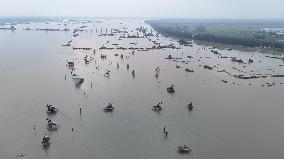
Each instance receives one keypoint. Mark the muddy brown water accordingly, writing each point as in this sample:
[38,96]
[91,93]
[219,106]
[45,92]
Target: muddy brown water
[240,120]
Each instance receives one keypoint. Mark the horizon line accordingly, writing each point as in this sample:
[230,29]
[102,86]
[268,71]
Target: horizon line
[108,17]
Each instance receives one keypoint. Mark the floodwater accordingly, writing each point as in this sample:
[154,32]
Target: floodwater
[242,118]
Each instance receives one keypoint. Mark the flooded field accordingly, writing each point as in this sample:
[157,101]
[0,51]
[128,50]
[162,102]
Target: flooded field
[237,96]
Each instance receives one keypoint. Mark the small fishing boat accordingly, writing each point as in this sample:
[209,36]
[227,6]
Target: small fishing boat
[51,109]
[78,80]
[109,108]
[183,149]
[51,125]
[71,64]
[157,107]
[45,141]
[169,57]
[107,74]
[171,89]
[190,106]
[188,70]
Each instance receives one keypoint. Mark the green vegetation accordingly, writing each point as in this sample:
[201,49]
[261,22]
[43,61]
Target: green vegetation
[235,32]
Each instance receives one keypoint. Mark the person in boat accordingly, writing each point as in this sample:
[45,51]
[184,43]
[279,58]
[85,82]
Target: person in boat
[49,124]
[159,105]
[107,74]
[109,105]
[51,108]
[156,75]
[48,107]
[133,73]
[166,133]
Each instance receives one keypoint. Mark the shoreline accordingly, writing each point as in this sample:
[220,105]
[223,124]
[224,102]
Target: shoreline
[223,46]
[203,33]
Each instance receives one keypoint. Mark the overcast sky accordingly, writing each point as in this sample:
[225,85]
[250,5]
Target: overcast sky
[260,9]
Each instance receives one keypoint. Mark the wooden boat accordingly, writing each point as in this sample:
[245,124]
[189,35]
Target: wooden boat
[183,149]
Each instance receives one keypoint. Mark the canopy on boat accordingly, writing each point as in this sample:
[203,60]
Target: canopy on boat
[77,80]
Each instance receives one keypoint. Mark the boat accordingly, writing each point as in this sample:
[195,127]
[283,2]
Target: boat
[157,107]
[171,89]
[71,64]
[190,106]
[234,59]
[107,74]
[78,80]
[188,70]
[169,57]
[86,61]
[183,149]
[45,141]
[51,109]
[51,125]
[109,108]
